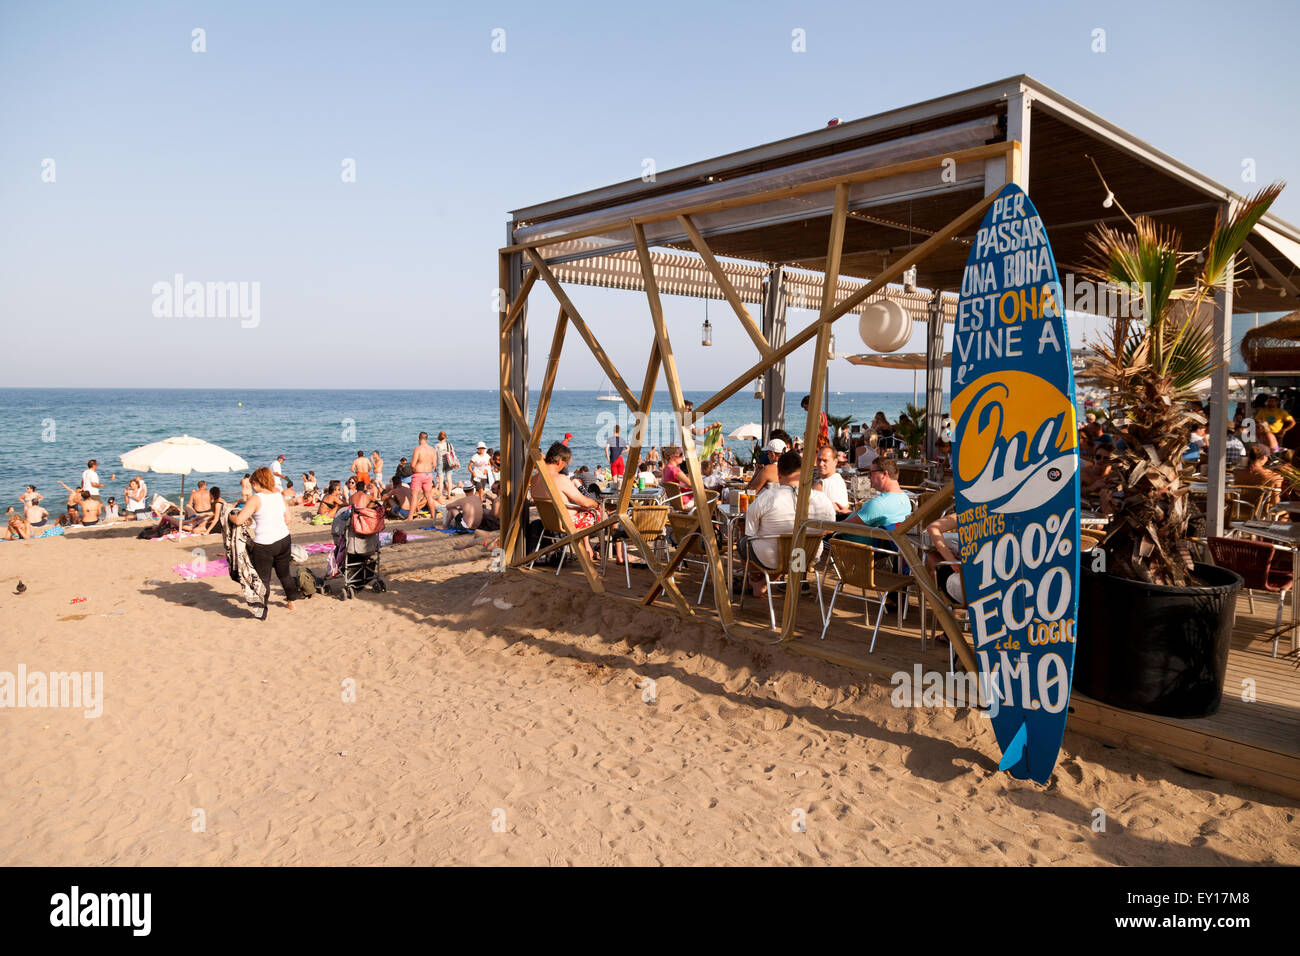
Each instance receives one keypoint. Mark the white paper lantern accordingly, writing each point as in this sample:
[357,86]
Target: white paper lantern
[885,326]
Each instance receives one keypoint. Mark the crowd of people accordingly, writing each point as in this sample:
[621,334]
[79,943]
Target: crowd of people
[1254,446]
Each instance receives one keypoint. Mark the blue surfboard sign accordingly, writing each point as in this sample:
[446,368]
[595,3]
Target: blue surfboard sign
[1016,481]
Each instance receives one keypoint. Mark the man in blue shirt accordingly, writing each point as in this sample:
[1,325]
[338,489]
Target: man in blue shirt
[890,505]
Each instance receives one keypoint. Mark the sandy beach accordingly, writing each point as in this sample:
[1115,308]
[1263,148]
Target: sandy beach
[501,719]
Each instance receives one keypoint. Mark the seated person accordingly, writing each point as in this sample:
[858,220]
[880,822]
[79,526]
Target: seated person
[110,510]
[1256,474]
[832,484]
[891,505]
[90,508]
[1273,422]
[1095,475]
[465,513]
[584,511]
[308,482]
[200,502]
[35,514]
[398,500]
[773,513]
[765,470]
[332,501]
[210,522]
[645,472]
[289,497]
[673,472]
[941,558]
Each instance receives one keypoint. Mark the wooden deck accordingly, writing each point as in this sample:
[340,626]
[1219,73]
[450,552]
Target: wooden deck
[1255,743]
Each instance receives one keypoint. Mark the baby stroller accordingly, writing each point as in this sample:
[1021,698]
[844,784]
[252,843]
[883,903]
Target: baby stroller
[356,552]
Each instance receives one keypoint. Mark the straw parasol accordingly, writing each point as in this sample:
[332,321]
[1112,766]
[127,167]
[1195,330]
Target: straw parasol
[1274,347]
[181,455]
[902,361]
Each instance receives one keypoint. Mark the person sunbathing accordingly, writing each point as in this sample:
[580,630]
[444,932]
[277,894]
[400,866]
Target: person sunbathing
[332,501]
[210,522]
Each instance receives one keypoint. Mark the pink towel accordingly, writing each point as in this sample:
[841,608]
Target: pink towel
[218,567]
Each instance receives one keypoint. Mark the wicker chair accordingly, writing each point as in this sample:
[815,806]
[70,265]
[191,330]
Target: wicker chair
[859,565]
[686,534]
[552,529]
[784,549]
[1253,560]
[650,522]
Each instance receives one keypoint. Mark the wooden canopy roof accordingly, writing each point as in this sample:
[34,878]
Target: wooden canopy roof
[887,218]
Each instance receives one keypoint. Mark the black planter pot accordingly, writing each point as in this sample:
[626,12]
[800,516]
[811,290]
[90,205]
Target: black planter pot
[1155,649]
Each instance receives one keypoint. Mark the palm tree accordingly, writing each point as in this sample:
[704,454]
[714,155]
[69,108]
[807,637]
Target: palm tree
[1151,363]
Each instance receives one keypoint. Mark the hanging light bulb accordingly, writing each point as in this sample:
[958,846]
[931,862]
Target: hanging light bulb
[758,387]
[1109,200]
[830,347]
[909,279]
[706,333]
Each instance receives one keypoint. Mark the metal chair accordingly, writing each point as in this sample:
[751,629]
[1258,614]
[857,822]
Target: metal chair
[784,551]
[686,534]
[1253,560]
[650,522]
[860,565]
[553,529]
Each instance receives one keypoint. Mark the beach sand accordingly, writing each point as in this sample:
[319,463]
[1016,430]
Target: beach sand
[500,719]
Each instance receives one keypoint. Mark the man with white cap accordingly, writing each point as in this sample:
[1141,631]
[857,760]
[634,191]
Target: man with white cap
[765,468]
[480,467]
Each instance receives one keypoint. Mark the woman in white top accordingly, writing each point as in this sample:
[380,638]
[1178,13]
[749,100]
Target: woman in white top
[271,540]
[136,490]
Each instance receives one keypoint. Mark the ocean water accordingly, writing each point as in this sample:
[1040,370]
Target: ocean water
[47,435]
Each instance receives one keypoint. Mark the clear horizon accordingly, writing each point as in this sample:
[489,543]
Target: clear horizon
[131,158]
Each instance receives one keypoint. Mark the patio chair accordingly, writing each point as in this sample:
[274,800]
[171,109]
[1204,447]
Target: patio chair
[650,522]
[552,529]
[1253,560]
[686,535]
[958,609]
[784,549]
[861,566]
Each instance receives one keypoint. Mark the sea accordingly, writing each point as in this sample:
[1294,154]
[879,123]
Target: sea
[48,434]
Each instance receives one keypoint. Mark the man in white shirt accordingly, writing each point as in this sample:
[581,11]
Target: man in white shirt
[772,513]
[832,484]
[277,469]
[480,467]
[90,478]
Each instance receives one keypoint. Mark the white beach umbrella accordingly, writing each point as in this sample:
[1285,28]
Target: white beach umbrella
[752,430]
[181,455]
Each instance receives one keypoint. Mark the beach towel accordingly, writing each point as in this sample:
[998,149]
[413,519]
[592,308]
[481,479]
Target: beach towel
[218,567]
[239,563]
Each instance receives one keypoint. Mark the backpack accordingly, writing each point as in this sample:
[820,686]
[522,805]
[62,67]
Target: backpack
[306,582]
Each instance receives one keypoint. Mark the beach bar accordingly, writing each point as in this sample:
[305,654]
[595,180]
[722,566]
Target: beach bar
[836,219]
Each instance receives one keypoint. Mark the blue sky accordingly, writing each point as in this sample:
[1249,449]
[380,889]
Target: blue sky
[225,165]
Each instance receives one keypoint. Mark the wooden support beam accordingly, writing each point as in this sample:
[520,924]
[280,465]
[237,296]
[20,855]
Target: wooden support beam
[891,272]
[601,358]
[553,492]
[721,586]
[812,427]
[971,155]
[728,290]
[518,508]
[521,299]
[505,424]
